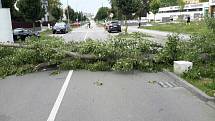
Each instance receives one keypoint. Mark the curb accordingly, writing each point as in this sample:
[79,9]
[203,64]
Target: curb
[197,92]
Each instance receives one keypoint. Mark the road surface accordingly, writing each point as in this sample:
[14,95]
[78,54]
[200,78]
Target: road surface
[98,33]
[83,33]
[77,96]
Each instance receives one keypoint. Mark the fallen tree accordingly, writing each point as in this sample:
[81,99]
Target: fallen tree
[121,53]
[114,54]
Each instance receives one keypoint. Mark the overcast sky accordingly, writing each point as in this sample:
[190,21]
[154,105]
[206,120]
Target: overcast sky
[90,6]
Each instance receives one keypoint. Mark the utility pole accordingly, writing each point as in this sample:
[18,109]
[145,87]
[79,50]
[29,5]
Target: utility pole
[0,4]
[68,11]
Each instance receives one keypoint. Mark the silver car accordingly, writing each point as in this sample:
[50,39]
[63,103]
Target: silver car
[60,27]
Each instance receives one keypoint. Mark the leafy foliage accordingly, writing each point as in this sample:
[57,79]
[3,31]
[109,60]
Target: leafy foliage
[210,22]
[103,13]
[31,9]
[154,6]
[128,7]
[166,3]
[122,53]
[57,13]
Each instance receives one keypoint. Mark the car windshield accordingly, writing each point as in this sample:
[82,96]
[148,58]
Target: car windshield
[115,23]
[18,30]
[60,24]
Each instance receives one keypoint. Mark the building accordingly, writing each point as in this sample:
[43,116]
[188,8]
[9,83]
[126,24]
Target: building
[194,11]
[212,7]
[45,7]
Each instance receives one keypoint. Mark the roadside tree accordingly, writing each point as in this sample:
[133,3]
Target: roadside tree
[15,15]
[71,13]
[57,13]
[143,10]
[102,13]
[181,5]
[127,7]
[31,9]
[154,7]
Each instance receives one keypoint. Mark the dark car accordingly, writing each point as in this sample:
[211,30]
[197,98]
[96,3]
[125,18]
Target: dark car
[114,26]
[21,33]
[60,28]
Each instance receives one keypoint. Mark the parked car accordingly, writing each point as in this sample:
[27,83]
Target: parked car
[76,24]
[21,33]
[114,26]
[60,27]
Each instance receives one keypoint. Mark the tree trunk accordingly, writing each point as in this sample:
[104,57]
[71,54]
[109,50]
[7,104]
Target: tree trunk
[126,25]
[154,18]
[34,26]
[68,53]
[139,21]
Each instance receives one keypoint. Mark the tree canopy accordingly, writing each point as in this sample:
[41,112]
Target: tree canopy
[31,9]
[127,7]
[166,3]
[102,13]
[57,13]
[154,6]
[71,13]
[15,15]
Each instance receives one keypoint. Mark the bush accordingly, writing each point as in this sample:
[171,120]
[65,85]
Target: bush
[99,66]
[72,65]
[124,65]
[171,50]
[210,22]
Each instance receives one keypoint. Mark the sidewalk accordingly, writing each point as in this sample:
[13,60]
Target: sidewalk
[161,35]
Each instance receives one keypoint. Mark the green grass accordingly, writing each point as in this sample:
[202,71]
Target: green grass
[46,32]
[206,85]
[194,27]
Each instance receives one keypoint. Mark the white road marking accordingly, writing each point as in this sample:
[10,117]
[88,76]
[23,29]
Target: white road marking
[56,106]
[86,31]
[86,36]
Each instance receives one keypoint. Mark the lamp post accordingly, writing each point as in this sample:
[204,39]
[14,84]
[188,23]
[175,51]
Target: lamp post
[68,10]
[0,4]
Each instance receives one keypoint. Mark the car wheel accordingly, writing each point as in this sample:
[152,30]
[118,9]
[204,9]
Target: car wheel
[54,32]
[23,37]
[15,38]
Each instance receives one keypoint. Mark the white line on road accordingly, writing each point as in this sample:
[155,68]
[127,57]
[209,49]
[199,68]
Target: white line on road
[86,36]
[60,97]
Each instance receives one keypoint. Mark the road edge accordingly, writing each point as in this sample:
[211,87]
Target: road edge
[194,90]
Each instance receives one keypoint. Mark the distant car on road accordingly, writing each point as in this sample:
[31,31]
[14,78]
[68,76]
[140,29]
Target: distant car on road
[60,27]
[114,26]
[76,24]
[21,33]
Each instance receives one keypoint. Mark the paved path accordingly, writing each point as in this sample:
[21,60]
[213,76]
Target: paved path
[76,96]
[159,36]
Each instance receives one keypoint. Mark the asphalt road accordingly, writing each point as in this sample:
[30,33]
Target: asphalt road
[83,33]
[99,96]
[99,33]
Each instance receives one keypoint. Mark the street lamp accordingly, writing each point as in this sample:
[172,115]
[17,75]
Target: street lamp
[68,10]
[0,4]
